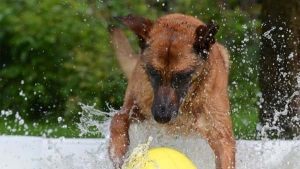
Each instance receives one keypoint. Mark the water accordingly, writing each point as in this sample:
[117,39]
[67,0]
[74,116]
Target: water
[193,146]
[40,153]
[264,154]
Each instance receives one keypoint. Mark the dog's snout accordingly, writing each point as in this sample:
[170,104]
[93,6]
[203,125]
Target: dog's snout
[165,104]
[163,113]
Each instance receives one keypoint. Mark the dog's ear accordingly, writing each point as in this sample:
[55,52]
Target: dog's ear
[140,26]
[204,38]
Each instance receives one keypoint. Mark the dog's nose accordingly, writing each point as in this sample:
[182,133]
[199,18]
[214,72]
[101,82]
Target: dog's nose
[161,114]
[162,108]
[162,119]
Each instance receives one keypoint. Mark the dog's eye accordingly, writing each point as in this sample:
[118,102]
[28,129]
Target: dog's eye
[154,76]
[181,79]
[153,72]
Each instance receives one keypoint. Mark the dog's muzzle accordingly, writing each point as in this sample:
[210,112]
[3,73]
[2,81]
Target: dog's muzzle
[165,104]
[164,113]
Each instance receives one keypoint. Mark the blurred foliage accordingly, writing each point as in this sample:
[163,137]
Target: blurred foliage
[55,54]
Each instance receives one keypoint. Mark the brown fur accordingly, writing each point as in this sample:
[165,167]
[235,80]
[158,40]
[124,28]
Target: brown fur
[205,109]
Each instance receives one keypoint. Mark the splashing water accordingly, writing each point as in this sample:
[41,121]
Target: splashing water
[272,126]
[93,121]
[250,154]
[139,134]
[138,157]
[92,153]
[277,114]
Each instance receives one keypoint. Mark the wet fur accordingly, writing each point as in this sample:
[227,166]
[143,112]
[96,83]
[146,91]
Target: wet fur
[205,108]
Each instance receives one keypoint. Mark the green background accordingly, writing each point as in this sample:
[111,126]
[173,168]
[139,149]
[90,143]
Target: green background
[55,54]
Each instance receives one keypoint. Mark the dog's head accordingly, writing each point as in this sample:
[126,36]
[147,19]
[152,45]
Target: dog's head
[172,48]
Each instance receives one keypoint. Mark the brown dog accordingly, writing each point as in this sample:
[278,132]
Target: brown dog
[180,81]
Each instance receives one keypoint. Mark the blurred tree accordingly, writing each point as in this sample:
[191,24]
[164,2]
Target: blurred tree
[280,68]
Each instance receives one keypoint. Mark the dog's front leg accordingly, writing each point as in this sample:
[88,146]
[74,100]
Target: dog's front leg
[224,149]
[217,130]
[119,137]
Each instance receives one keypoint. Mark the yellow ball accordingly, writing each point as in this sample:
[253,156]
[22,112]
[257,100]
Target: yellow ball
[167,158]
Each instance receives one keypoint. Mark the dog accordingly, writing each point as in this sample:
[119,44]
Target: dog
[180,80]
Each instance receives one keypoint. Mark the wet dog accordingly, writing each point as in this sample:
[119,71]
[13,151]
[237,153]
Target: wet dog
[179,80]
